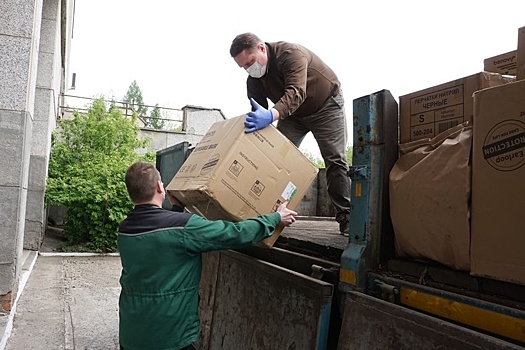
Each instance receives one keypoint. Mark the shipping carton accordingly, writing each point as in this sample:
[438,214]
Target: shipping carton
[498,186]
[520,74]
[505,63]
[231,175]
[429,112]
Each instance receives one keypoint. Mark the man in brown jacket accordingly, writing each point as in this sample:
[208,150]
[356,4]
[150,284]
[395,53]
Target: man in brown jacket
[307,97]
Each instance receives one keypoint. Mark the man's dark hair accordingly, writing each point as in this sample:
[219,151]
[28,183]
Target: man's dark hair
[243,42]
[141,181]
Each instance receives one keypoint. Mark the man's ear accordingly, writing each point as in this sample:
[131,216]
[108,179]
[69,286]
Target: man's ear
[160,187]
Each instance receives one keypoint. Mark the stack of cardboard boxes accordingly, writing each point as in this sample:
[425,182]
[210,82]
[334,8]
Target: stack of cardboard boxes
[498,178]
[477,208]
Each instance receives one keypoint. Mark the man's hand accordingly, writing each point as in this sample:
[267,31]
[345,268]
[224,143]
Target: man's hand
[173,200]
[287,215]
[175,204]
[259,118]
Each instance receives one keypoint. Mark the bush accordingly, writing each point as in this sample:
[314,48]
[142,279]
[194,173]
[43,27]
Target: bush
[89,158]
[319,162]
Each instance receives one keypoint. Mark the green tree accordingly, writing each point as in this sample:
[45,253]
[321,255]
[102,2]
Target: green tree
[89,157]
[319,162]
[134,98]
[349,153]
[155,120]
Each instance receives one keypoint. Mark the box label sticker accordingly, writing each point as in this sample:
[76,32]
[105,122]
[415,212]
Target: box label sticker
[203,148]
[259,136]
[258,188]
[504,64]
[289,191]
[437,100]
[503,145]
[276,205]
[246,158]
[210,164]
[187,171]
[435,112]
[441,127]
[236,168]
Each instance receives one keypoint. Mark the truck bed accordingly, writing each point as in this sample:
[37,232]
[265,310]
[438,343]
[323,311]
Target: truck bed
[309,242]
[314,236]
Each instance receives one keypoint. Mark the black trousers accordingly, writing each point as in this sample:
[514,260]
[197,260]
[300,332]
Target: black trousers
[328,126]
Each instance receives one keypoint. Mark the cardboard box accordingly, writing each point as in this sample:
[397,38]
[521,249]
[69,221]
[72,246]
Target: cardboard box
[231,175]
[505,63]
[520,74]
[498,186]
[429,112]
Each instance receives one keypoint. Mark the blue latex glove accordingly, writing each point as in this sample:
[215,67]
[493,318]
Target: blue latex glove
[259,118]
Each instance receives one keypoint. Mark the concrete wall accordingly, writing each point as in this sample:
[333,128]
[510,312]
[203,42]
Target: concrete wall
[49,79]
[196,122]
[19,28]
[163,139]
[30,74]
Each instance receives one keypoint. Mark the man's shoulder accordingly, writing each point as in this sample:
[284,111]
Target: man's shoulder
[286,45]
[286,52]
[169,217]
[153,219]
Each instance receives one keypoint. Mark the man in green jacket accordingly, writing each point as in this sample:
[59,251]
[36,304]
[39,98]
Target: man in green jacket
[160,251]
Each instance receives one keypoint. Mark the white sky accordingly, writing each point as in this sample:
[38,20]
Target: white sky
[178,51]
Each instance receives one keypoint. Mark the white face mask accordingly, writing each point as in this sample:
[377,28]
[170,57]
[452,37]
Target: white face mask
[256,70]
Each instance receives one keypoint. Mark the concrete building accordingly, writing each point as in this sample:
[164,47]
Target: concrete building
[34,56]
[35,38]
[195,123]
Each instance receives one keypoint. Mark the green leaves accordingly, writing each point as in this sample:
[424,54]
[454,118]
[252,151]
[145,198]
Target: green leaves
[155,120]
[134,98]
[319,162]
[89,158]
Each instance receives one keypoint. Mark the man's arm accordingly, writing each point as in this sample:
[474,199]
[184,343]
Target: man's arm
[294,68]
[203,235]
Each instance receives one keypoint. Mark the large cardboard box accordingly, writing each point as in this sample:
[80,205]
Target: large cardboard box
[429,112]
[505,63]
[231,175]
[498,183]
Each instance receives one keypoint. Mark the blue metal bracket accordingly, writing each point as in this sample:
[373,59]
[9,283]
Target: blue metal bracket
[374,153]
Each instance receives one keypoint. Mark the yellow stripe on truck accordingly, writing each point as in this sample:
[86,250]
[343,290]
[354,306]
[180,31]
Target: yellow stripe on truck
[347,276]
[491,321]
